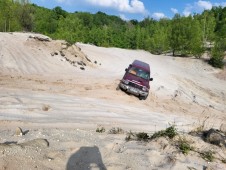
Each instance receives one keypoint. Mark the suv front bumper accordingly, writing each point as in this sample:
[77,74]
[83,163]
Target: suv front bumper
[133,90]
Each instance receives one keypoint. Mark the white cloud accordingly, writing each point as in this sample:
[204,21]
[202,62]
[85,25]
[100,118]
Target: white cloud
[128,6]
[204,5]
[175,11]
[123,17]
[187,13]
[64,1]
[158,15]
[61,1]
[188,9]
[197,7]
[223,4]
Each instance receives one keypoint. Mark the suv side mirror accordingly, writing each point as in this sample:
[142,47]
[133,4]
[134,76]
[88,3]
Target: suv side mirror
[151,79]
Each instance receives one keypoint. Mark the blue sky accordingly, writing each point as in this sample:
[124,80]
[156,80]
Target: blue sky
[134,9]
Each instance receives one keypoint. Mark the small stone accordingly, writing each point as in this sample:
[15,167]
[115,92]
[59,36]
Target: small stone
[46,107]
[88,59]
[19,132]
[62,53]
[80,63]
[64,46]
[82,68]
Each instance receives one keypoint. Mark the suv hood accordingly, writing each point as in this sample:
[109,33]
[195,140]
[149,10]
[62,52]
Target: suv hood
[137,80]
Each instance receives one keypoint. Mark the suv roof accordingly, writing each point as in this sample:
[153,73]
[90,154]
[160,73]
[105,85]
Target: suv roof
[141,64]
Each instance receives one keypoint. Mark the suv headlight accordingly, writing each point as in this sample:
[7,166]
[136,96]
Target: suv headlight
[125,81]
[145,89]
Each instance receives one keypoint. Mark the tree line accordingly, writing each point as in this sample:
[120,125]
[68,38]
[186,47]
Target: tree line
[181,36]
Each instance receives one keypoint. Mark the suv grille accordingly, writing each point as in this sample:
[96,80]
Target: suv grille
[135,85]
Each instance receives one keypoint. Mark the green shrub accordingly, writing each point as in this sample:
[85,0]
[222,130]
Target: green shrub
[158,134]
[170,132]
[142,136]
[217,59]
[217,54]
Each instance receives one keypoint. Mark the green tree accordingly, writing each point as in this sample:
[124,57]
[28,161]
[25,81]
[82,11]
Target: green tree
[68,29]
[177,34]
[217,53]
[6,14]
[86,19]
[25,16]
[196,39]
[209,27]
[45,21]
[182,35]
[59,12]
[140,38]
[159,40]
[130,36]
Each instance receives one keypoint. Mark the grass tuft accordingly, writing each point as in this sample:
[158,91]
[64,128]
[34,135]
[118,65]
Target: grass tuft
[207,155]
[130,136]
[223,161]
[116,131]
[184,145]
[100,130]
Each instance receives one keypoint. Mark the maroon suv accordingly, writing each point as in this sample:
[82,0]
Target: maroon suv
[136,79]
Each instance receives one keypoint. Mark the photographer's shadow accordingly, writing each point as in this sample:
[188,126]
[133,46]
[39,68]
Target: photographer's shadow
[86,158]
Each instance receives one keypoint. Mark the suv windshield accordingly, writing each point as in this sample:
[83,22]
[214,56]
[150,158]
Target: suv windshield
[139,72]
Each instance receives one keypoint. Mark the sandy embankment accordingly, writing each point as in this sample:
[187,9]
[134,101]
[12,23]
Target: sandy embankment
[41,91]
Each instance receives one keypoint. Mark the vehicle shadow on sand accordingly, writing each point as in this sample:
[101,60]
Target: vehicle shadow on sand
[86,158]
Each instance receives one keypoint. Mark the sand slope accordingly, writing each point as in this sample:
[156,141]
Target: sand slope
[46,85]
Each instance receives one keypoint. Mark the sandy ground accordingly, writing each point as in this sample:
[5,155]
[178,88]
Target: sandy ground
[62,93]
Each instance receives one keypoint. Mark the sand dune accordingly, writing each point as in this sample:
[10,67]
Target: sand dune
[45,85]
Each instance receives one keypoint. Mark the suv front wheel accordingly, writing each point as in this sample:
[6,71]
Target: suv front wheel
[143,97]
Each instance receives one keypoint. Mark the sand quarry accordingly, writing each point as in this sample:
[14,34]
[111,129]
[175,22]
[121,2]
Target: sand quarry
[60,94]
